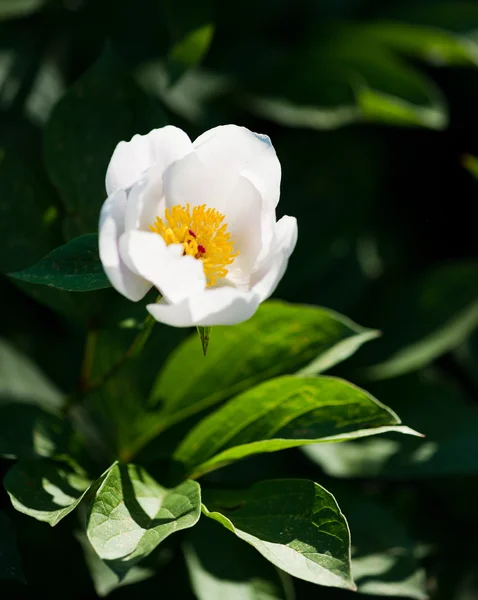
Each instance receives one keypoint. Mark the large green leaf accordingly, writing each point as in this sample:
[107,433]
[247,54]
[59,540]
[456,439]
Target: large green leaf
[284,413]
[280,338]
[10,565]
[294,523]
[420,321]
[429,403]
[45,490]
[131,514]
[104,100]
[222,566]
[74,267]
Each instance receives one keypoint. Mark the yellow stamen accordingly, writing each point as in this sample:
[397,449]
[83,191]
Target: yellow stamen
[202,234]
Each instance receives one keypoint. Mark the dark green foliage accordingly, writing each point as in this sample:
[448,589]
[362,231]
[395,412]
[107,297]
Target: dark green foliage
[185,466]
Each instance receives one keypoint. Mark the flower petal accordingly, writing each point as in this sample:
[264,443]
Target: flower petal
[111,227]
[174,275]
[265,281]
[145,201]
[251,226]
[188,181]
[238,151]
[131,159]
[220,306]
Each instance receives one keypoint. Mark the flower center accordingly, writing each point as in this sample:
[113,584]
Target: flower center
[202,233]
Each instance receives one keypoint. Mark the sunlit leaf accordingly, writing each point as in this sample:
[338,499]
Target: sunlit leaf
[44,490]
[286,338]
[131,514]
[434,406]
[284,413]
[294,523]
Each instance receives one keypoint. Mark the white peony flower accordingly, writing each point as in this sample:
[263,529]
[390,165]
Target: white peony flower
[196,221]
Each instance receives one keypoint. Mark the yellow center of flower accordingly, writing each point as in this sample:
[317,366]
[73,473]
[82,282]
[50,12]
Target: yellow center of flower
[202,233]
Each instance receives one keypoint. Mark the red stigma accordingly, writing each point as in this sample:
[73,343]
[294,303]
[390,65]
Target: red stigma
[201,249]
[191,232]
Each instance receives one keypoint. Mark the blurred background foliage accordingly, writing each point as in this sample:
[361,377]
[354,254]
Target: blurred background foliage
[372,107]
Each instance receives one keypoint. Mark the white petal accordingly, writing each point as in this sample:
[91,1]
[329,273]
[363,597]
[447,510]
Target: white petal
[238,151]
[174,275]
[220,306]
[251,226]
[131,159]
[188,181]
[111,227]
[265,281]
[145,201]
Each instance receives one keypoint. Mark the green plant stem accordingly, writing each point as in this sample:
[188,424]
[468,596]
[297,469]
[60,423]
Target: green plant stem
[90,346]
[135,349]
[86,385]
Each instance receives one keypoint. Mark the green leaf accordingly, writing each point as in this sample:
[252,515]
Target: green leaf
[345,74]
[22,381]
[204,335]
[385,558]
[27,215]
[222,566]
[131,514]
[294,523]
[191,29]
[74,267]
[449,448]
[106,100]
[286,338]
[386,89]
[10,565]
[284,413]
[11,9]
[423,319]
[431,44]
[104,579]
[45,490]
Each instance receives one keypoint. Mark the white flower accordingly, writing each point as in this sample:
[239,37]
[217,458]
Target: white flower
[196,221]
